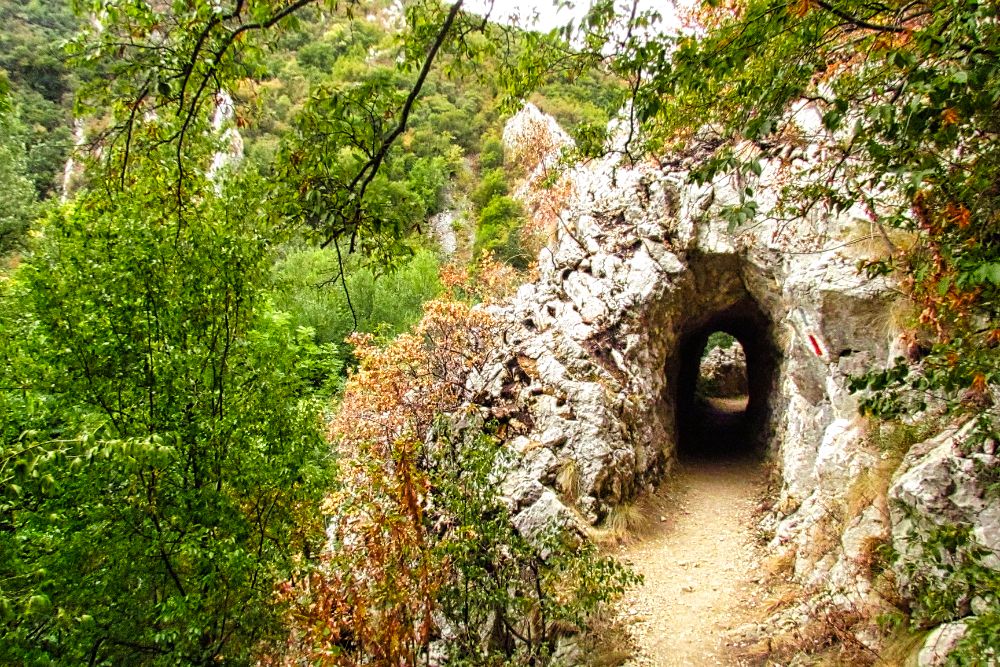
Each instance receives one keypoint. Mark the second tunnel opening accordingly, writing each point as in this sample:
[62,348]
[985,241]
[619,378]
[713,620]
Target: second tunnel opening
[722,399]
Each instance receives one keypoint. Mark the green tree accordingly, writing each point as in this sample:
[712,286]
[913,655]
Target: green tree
[307,287]
[498,231]
[18,192]
[163,458]
[162,451]
[493,184]
[330,177]
[43,84]
[491,156]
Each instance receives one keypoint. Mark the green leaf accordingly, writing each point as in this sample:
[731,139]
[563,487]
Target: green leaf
[988,273]
[39,605]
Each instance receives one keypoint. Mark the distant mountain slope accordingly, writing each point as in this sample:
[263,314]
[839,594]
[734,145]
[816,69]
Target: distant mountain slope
[31,37]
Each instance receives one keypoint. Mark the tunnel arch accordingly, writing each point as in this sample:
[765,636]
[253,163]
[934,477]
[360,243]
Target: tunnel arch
[700,430]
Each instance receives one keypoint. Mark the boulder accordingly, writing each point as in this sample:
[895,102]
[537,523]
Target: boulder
[942,485]
[940,643]
[723,372]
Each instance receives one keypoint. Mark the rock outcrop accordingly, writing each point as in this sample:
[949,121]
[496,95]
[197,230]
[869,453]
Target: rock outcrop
[723,372]
[600,358]
[642,270]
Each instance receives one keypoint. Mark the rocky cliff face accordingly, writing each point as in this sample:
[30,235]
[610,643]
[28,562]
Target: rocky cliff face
[601,357]
[601,348]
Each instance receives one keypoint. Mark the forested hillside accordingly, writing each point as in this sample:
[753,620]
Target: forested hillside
[174,337]
[246,408]
[41,85]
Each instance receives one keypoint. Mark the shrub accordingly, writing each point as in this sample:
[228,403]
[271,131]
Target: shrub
[162,439]
[390,301]
[491,155]
[493,184]
[718,339]
[422,541]
[18,191]
[486,281]
[499,232]
[951,570]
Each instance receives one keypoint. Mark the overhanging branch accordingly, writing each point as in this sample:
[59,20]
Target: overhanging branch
[368,172]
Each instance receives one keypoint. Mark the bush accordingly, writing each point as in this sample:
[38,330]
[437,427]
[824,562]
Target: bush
[498,232]
[491,155]
[18,191]
[718,339]
[164,446]
[493,184]
[423,540]
[952,570]
[390,301]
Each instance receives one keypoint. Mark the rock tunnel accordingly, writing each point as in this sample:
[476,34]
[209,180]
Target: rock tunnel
[706,429]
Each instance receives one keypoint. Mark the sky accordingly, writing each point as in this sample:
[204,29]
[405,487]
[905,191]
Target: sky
[549,16]
[511,10]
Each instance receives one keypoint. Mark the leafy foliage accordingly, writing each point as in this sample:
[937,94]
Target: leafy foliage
[583,103]
[19,194]
[500,219]
[952,570]
[163,456]
[331,173]
[161,447]
[498,231]
[308,288]
[491,156]
[43,84]
[718,339]
[908,96]
[424,544]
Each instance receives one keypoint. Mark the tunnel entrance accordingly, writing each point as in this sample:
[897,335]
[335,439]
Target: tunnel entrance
[725,377]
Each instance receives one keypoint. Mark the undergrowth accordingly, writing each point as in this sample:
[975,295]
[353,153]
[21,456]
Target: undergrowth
[426,558]
[952,579]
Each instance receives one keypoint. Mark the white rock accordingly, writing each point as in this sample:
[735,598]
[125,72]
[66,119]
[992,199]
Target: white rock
[940,643]
[642,259]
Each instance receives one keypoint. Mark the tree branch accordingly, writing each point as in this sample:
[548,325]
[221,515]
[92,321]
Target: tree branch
[343,282]
[860,23]
[369,170]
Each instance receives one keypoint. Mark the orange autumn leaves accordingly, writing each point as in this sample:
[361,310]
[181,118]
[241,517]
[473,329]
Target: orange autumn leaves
[371,602]
[398,389]
[938,292]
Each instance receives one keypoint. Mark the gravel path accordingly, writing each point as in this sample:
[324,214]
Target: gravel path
[700,564]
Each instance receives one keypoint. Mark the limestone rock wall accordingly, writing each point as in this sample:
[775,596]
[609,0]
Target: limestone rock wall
[643,267]
[641,260]
[723,372]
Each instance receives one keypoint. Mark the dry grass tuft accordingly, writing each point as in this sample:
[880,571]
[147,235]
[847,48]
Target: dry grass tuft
[868,241]
[866,490]
[782,597]
[568,480]
[891,440]
[901,648]
[824,534]
[781,563]
[622,523]
[608,644]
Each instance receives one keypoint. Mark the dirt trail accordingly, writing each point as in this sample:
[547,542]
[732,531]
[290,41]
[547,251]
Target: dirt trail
[700,563]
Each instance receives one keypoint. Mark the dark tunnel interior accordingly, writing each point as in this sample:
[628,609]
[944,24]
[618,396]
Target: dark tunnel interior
[719,430]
